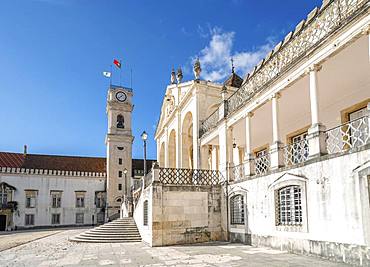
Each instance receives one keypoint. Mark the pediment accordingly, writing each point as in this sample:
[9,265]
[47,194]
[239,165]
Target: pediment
[287,178]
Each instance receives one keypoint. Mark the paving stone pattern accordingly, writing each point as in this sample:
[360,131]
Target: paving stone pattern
[56,250]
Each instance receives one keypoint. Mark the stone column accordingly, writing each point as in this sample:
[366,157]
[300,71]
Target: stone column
[230,152]
[222,135]
[166,151]
[178,141]
[214,157]
[276,149]
[316,133]
[196,149]
[248,156]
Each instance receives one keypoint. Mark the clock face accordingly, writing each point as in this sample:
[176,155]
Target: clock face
[121,96]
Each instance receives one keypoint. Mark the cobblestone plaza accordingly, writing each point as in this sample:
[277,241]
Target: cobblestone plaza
[55,250]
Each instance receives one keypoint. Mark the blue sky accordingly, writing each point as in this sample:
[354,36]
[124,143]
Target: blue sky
[52,54]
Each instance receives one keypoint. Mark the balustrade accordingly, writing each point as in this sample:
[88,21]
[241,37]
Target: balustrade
[348,135]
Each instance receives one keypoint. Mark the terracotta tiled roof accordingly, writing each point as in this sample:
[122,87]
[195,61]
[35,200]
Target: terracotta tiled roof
[51,162]
[62,163]
[234,80]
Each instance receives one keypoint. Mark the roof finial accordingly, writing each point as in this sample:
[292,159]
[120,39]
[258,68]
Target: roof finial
[232,65]
[197,69]
[173,76]
[179,75]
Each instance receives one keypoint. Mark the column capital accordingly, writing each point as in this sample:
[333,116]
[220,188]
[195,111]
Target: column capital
[313,68]
[366,29]
[275,95]
[248,115]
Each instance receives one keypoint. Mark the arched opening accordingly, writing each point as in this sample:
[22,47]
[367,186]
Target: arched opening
[187,142]
[161,155]
[172,149]
[120,121]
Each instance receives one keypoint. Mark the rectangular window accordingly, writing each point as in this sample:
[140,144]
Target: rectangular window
[55,218]
[290,205]
[237,209]
[119,187]
[100,199]
[30,219]
[119,173]
[120,161]
[31,198]
[3,198]
[79,218]
[145,221]
[80,199]
[56,199]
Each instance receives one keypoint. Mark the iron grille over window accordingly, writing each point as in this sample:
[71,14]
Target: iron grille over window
[290,205]
[237,209]
[55,218]
[30,219]
[146,212]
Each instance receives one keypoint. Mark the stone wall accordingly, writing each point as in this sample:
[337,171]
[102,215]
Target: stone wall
[181,214]
[186,214]
[335,206]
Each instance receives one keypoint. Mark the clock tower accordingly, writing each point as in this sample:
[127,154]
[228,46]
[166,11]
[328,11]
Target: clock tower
[119,147]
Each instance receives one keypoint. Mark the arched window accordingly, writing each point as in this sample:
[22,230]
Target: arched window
[145,211]
[120,121]
[237,209]
[289,205]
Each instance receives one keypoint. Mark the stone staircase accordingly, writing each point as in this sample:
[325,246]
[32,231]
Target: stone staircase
[118,231]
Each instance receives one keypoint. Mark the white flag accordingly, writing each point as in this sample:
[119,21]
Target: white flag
[107,74]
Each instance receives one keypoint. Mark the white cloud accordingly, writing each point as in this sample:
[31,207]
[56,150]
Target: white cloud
[215,57]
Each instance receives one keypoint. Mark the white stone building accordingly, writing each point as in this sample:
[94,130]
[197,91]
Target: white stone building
[49,190]
[289,146]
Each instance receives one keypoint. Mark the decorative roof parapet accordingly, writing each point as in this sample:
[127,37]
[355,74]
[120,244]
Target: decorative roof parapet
[51,172]
[308,34]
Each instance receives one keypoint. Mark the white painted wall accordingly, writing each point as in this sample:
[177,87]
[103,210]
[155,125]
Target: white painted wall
[46,183]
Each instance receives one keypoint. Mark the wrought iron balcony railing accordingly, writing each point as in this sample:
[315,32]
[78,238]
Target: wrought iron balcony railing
[262,164]
[307,36]
[189,176]
[296,152]
[348,135]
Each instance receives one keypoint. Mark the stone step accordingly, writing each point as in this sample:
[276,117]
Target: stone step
[120,230]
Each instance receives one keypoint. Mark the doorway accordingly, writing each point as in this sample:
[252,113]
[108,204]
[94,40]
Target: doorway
[2,222]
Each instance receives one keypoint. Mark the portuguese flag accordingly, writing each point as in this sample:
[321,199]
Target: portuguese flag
[117,63]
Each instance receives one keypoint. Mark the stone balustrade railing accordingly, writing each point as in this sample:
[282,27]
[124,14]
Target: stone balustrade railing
[306,37]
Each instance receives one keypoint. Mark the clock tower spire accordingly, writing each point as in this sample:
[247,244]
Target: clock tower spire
[119,147]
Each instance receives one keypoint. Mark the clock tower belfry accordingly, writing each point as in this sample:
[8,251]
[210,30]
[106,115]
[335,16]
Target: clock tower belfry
[119,147]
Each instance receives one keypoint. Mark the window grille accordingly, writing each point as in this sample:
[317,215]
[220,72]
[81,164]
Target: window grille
[3,198]
[119,187]
[237,209]
[55,218]
[290,205]
[30,219]
[80,200]
[145,212]
[56,199]
[120,161]
[119,173]
[79,218]
[31,199]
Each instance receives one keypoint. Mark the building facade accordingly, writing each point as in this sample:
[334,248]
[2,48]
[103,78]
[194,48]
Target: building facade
[289,144]
[49,191]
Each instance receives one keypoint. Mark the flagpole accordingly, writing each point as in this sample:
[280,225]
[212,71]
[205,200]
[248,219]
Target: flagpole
[131,78]
[110,78]
[120,72]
